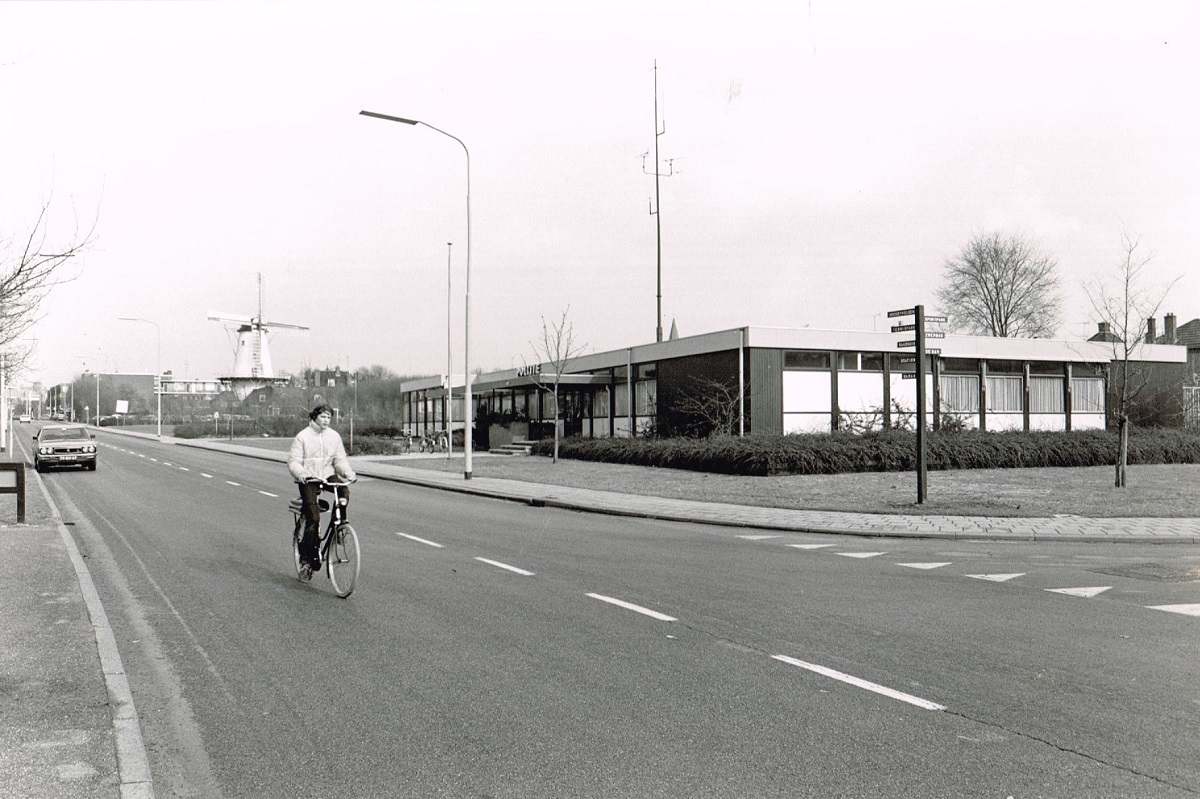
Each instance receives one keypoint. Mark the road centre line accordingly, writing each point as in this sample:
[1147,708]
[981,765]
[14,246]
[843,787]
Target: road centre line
[860,554]
[420,540]
[498,564]
[268,494]
[1187,610]
[230,482]
[861,683]
[184,469]
[809,546]
[654,614]
[206,474]
[167,463]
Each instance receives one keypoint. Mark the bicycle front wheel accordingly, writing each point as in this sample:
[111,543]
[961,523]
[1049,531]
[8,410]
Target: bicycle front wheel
[302,570]
[343,560]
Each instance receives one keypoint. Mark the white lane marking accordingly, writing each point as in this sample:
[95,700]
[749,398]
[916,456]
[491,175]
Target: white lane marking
[498,564]
[1086,592]
[421,540]
[184,469]
[230,482]
[206,474]
[924,565]
[1187,610]
[996,578]
[757,537]
[154,459]
[861,683]
[859,554]
[140,455]
[167,463]
[810,546]
[654,614]
[268,494]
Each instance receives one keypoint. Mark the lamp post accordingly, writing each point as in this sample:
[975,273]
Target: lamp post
[449,369]
[157,363]
[469,411]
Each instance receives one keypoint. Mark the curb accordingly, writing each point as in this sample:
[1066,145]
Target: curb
[583,507]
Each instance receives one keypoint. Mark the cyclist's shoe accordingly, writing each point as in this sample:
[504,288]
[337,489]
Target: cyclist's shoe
[314,565]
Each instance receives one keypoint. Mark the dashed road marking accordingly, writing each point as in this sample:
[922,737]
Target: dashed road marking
[230,482]
[810,546]
[268,494]
[498,564]
[925,565]
[1187,610]
[184,469]
[167,463]
[996,578]
[1084,592]
[206,474]
[420,540]
[861,683]
[860,554]
[654,614]
[757,537]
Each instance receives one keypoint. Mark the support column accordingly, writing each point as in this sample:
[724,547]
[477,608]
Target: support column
[983,395]
[1025,394]
[835,414]
[1067,394]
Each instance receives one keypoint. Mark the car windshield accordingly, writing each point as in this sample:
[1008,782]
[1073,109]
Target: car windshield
[62,434]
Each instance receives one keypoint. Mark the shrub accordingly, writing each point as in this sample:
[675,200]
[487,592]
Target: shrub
[886,451]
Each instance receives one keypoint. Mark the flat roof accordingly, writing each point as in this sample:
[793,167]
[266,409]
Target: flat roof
[750,336]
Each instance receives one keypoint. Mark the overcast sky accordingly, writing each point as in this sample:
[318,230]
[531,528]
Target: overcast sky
[829,157]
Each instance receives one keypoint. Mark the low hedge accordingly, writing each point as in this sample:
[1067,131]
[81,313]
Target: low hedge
[890,451]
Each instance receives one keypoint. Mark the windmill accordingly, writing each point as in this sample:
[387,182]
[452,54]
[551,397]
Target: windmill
[252,358]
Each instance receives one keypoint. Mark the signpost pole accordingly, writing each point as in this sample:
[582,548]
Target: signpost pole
[922,476]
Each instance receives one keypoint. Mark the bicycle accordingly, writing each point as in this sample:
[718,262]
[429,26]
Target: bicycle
[338,547]
[435,442]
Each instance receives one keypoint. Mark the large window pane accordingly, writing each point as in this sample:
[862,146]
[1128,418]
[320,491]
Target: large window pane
[1045,394]
[1004,394]
[1087,395]
[960,393]
[798,359]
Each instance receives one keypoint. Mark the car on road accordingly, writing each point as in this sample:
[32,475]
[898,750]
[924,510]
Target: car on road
[24,418]
[64,445]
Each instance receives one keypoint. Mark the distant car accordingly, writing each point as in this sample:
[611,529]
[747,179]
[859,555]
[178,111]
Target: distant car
[64,445]
[24,418]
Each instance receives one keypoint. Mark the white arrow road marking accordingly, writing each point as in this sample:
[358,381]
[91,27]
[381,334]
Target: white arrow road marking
[924,565]
[1187,610]
[206,474]
[757,537]
[420,540]
[230,482]
[996,578]
[1086,593]
[810,546]
[268,494]
[861,683]
[497,563]
[654,614]
[859,554]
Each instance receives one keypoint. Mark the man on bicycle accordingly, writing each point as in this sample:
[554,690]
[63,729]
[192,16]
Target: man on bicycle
[317,454]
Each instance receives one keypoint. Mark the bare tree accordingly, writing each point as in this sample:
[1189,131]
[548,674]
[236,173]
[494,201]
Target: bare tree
[1000,285]
[1126,304]
[712,404]
[29,268]
[556,350]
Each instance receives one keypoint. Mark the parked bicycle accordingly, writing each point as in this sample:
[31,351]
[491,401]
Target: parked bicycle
[435,442]
[337,548]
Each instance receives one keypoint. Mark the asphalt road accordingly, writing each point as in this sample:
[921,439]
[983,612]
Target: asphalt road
[736,666]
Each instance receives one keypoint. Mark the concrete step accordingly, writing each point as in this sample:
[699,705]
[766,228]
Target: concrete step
[515,448]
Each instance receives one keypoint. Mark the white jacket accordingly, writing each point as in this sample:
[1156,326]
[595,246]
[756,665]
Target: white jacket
[317,453]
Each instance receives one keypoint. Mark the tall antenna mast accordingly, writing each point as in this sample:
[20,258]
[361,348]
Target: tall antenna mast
[260,316]
[656,207]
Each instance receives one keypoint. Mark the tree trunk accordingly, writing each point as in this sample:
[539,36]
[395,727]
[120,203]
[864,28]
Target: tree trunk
[555,458]
[1122,449]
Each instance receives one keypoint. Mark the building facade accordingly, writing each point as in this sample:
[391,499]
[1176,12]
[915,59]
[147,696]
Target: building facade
[779,381]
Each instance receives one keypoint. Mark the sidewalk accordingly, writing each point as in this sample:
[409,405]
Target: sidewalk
[980,528]
[58,738]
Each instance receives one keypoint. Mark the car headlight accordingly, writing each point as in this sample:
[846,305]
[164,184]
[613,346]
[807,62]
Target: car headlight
[91,447]
[44,450]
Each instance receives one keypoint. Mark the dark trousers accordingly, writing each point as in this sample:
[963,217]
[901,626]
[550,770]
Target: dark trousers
[310,494]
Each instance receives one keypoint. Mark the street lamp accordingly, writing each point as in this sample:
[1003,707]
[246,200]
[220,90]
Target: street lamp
[449,367]
[157,363]
[469,411]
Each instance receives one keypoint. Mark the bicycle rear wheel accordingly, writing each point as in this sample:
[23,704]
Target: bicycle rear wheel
[303,572]
[343,560]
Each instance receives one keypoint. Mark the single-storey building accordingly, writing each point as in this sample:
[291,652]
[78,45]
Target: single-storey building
[781,380]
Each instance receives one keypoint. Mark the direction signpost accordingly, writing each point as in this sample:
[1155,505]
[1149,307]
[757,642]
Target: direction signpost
[918,327]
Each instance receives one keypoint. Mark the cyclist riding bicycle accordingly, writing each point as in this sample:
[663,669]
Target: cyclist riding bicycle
[317,454]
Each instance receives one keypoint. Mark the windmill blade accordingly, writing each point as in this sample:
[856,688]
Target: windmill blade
[284,325]
[218,316]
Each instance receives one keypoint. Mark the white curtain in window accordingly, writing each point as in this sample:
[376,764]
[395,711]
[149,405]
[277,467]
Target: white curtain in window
[644,393]
[1087,394]
[960,393]
[1045,394]
[1004,394]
